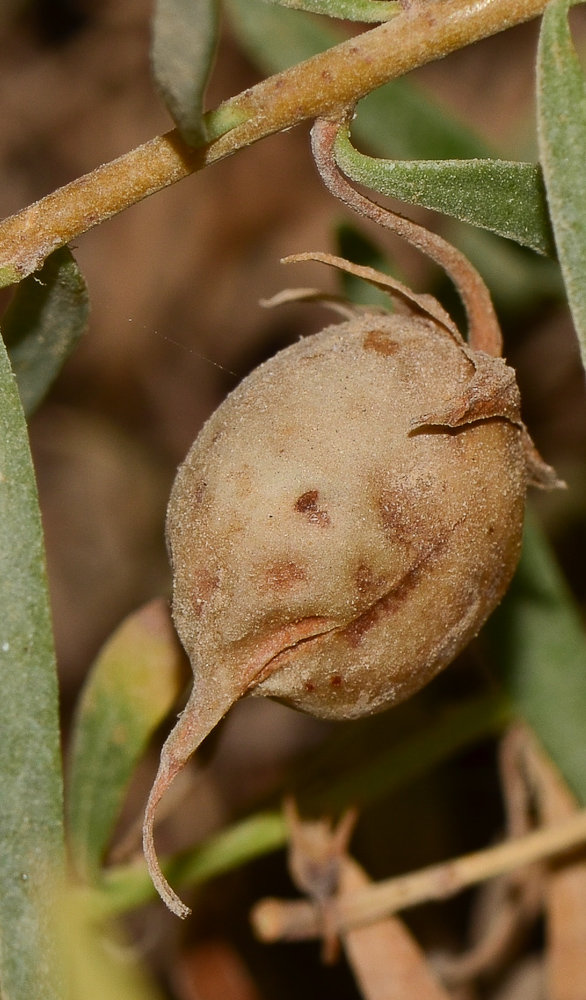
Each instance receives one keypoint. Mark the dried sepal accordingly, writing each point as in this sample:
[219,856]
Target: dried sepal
[411,302]
[336,303]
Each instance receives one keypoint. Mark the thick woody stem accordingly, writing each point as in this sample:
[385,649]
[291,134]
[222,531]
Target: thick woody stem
[321,85]
[484,332]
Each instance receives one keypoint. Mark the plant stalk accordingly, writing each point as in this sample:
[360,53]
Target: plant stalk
[327,82]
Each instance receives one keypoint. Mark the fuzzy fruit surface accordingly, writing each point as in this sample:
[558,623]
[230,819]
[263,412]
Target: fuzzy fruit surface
[327,551]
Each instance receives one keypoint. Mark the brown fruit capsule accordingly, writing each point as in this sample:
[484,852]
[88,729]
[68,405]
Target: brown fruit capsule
[352,513]
[345,522]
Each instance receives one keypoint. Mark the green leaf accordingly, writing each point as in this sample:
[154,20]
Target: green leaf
[561,114]
[505,197]
[185,34]
[31,820]
[131,688]
[367,11]
[43,323]
[538,637]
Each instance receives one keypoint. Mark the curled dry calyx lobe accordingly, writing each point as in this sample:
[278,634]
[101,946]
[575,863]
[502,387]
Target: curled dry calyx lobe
[344,523]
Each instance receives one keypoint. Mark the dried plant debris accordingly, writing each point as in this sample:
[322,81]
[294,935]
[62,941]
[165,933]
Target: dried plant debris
[385,959]
[388,963]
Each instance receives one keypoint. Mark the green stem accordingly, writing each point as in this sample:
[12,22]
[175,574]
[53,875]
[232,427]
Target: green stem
[325,83]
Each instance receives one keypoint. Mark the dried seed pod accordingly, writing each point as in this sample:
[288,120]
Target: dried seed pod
[329,548]
[347,519]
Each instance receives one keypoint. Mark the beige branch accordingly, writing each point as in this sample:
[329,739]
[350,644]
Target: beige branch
[327,82]
[274,919]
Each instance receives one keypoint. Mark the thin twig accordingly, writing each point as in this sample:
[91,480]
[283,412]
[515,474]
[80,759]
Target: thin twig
[274,919]
[328,82]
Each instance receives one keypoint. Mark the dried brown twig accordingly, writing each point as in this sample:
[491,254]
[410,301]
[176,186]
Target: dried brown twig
[279,919]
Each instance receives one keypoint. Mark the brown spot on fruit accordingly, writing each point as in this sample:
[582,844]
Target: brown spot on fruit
[354,632]
[308,504]
[199,492]
[367,582]
[204,585]
[309,686]
[283,575]
[405,514]
[336,681]
[380,342]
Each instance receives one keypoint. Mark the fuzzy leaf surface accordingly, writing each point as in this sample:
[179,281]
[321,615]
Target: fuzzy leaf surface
[31,800]
[130,689]
[367,11]
[43,323]
[185,36]
[508,198]
[561,114]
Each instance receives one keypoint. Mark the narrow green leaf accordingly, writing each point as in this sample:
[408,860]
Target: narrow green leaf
[367,11]
[31,821]
[43,323]
[185,34]
[131,688]
[561,116]
[505,197]
[538,637]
